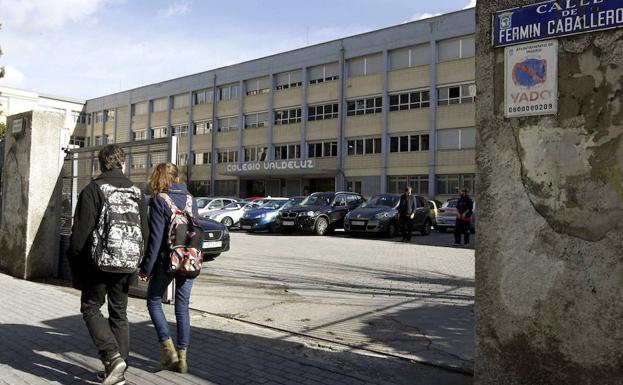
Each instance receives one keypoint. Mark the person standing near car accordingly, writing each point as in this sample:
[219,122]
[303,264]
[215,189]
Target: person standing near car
[406,213]
[464,209]
[168,194]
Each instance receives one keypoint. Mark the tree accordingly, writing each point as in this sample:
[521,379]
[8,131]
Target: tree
[1,68]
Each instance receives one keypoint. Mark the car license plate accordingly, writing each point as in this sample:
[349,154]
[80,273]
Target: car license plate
[357,223]
[288,223]
[212,244]
[246,227]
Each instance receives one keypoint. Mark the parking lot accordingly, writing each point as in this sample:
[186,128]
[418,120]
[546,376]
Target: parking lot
[409,300]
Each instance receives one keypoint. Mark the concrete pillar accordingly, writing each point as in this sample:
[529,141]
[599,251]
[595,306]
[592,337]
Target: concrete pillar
[213,134]
[341,143]
[385,123]
[31,204]
[271,120]
[304,112]
[432,123]
[191,154]
[241,122]
[549,266]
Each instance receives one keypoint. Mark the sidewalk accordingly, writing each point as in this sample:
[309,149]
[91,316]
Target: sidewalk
[44,341]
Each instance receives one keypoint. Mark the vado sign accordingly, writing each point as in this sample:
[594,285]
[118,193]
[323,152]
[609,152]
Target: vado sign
[531,79]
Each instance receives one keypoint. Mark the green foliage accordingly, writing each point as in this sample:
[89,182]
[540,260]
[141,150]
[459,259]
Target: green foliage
[2,130]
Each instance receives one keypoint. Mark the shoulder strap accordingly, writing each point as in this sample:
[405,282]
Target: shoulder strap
[169,201]
[189,205]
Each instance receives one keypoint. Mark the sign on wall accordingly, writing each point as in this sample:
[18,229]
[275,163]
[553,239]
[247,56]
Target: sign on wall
[531,79]
[17,126]
[555,18]
[276,165]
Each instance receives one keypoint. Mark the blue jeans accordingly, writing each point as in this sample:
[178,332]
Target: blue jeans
[156,289]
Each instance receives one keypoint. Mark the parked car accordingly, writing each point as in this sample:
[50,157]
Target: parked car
[253,198]
[321,212]
[434,206]
[216,238]
[230,215]
[380,216]
[207,204]
[265,217]
[446,216]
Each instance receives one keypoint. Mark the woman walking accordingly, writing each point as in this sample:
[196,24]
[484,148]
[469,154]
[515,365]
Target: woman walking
[164,184]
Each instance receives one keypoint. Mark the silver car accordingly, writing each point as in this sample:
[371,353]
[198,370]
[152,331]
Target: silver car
[446,216]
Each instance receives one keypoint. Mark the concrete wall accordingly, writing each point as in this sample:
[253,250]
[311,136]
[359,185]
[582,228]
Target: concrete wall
[29,235]
[549,267]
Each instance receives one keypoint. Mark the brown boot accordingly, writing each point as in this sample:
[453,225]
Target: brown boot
[169,355]
[182,364]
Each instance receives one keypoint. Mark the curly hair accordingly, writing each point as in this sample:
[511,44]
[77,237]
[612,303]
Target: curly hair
[111,157]
[162,177]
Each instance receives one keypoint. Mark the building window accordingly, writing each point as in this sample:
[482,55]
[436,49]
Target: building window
[454,49]
[364,146]
[321,112]
[203,96]
[182,159]
[229,92]
[456,94]
[450,184]
[410,57]
[256,119]
[139,162]
[139,109]
[76,116]
[409,143]
[409,100]
[322,150]
[108,139]
[199,188]
[160,105]
[139,134]
[456,138]
[366,65]
[364,106]
[324,73]
[354,185]
[258,86]
[288,116]
[180,101]
[180,130]
[289,151]
[99,117]
[288,80]
[110,115]
[203,127]
[254,154]
[227,188]
[228,124]
[397,184]
[227,156]
[159,132]
[76,141]
[202,157]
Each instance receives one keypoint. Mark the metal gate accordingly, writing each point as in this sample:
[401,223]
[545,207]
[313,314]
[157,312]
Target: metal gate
[81,166]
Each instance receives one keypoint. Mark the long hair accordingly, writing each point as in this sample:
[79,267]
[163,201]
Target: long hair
[162,177]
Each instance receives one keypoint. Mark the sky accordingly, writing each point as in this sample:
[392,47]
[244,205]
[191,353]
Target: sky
[89,48]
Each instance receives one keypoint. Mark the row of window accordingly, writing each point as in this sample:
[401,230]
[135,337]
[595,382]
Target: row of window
[409,143]
[446,184]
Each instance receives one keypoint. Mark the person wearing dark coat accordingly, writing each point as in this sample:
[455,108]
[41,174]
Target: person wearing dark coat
[110,336]
[406,213]
[464,208]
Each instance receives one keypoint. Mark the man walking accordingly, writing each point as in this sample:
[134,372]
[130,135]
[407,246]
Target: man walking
[406,213]
[107,244]
[464,208]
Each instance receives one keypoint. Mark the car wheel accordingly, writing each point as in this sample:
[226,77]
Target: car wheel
[392,230]
[227,222]
[442,229]
[322,225]
[426,227]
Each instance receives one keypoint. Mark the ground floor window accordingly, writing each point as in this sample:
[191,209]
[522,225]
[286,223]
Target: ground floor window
[228,188]
[354,185]
[199,188]
[450,184]
[419,184]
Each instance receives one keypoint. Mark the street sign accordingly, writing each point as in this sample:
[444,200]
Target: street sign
[555,18]
[531,79]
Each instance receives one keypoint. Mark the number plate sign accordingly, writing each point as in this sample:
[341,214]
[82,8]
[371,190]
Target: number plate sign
[288,223]
[531,79]
[212,244]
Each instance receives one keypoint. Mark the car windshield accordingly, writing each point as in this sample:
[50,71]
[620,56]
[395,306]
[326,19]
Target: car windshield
[201,203]
[383,201]
[273,205]
[317,200]
[292,202]
[450,203]
[233,205]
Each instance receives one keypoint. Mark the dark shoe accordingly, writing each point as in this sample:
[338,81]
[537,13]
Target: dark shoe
[115,370]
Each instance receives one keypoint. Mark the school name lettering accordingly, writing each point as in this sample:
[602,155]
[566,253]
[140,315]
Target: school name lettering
[268,166]
[557,18]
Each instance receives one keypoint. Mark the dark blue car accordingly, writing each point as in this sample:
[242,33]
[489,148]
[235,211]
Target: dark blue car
[265,217]
[215,238]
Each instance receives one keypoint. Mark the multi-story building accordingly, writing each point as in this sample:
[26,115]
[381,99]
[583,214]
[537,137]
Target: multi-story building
[369,113]
[14,101]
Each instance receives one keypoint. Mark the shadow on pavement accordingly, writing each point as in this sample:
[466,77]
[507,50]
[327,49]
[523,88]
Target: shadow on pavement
[61,351]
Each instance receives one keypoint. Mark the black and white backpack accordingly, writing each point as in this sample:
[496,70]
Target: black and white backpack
[117,239]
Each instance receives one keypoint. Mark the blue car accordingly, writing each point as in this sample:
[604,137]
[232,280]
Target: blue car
[265,218]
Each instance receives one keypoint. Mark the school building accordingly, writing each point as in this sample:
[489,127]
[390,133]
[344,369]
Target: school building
[369,113]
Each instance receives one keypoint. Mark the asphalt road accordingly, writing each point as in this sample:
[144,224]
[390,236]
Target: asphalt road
[409,300]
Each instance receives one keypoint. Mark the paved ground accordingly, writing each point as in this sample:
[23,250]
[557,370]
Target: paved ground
[44,341]
[410,300]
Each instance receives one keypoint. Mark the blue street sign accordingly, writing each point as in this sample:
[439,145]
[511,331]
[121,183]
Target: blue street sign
[555,18]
